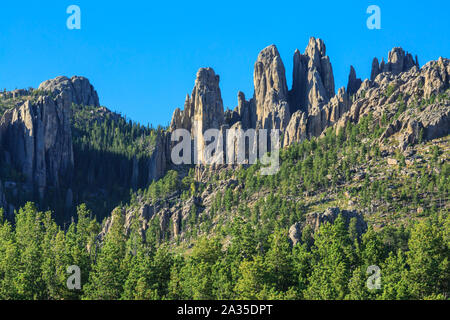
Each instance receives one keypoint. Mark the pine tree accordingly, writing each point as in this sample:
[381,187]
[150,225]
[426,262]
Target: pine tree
[109,274]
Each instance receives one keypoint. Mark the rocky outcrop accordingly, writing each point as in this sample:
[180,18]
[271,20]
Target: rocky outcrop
[313,79]
[353,83]
[202,111]
[76,90]
[271,93]
[316,219]
[375,69]
[246,111]
[419,97]
[398,61]
[297,129]
[36,137]
[204,108]
[312,97]
[303,126]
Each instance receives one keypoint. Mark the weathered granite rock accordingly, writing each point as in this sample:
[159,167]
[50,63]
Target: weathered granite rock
[375,69]
[422,93]
[296,130]
[316,219]
[241,144]
[435,77]
[204,109]
[295,233]
[36,136]
[271,93]
[398,61]
[313,79]
[247,112]
[76,90]
[231,117]
[37,139]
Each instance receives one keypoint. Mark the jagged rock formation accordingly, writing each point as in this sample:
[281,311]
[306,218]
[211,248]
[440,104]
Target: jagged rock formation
[271,93]
[313,79]
[389,92]
[307,110]
[353,83]
[204,109]
[312,97]
[36,137]
[311,105]
[246,111]
[398,61]
[297,128]
[316,219]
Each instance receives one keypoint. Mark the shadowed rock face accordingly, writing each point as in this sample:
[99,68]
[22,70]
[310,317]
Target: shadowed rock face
[36,137]
[313,79]
[353,83]
[2,197]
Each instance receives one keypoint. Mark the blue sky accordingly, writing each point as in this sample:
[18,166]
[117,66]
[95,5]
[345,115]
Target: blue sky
[142,56]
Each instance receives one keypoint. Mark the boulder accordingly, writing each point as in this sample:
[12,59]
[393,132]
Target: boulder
[316,219]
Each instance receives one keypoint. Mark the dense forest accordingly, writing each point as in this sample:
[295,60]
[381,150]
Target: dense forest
[35,253]
[108,149]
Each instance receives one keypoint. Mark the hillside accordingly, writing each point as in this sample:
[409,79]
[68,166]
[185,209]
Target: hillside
[363,181]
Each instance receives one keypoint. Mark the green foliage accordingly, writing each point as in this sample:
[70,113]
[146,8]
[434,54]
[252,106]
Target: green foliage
[390,90]
[35,253]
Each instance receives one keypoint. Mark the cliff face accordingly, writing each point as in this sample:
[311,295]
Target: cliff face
[204,108]
[271,93]
[36,137]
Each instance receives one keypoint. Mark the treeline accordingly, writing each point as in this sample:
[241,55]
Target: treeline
[331,263]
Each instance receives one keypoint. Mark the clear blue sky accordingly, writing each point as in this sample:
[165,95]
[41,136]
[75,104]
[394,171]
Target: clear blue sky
[142,56]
